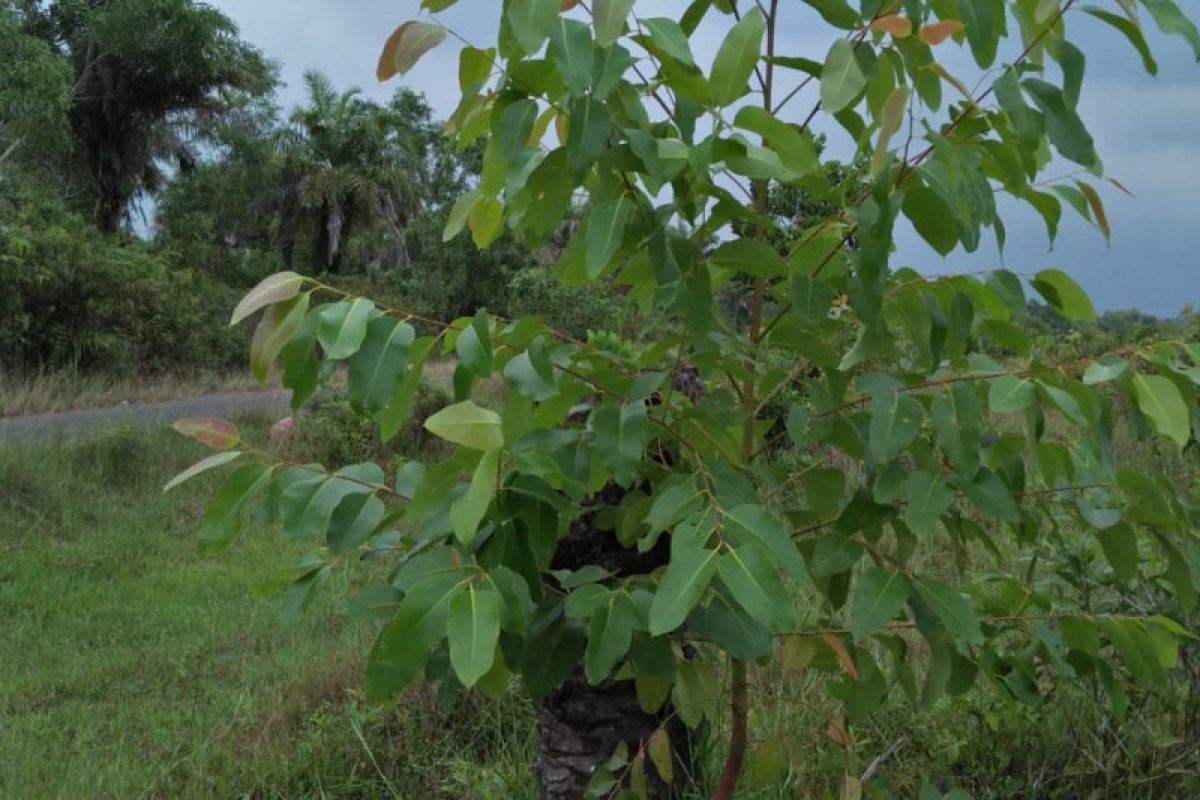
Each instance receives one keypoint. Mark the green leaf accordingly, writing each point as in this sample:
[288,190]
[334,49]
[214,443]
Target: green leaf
[574,53]
[203,465]
[353,521]
[473,628]
[889,122]
[835,553]
[929,496]
[681,588]
[271,289]
[377,367]
[1105,369]
[1171,20]
[1131,32]
[1010,394]
[343,326]
[984,20]
[468,425]
[991,495]
[605,232]
[223,517]
[1064,295]
[752,578]
[620,434]
[587,136]
[754,523]
[954,609]
[474,345]
[1026,123]
[486,221]
[811,299]
[398,407]
[609,635]
[608,17]
[795,149]
[1063,125]
[670,38]
[879,594]
[662,754]
[532,21]
[837,13]
[467,511]
[308,500]
[403,646]
[1120,548]
[274,330]
[300,368]
[895,420]
[460,213]
[750,256]
[736,58]
[842,78]
[1160,400]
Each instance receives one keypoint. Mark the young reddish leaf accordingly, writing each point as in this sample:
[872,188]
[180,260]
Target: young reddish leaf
[216,433]
[899,27]
[567,5]
[1097,206]
[835,643]
[271,289]
[405,47]
[937,32]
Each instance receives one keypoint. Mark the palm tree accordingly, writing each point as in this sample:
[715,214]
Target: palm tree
[347,162]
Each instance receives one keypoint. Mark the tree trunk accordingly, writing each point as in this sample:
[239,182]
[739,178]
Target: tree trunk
[580,725]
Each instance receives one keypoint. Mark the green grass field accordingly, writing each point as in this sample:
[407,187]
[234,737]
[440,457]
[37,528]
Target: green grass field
[133,668]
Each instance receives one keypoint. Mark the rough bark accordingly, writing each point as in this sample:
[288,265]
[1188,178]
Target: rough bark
[580,725]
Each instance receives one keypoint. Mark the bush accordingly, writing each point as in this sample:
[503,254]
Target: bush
[76,300]
[329,431]
[571,310]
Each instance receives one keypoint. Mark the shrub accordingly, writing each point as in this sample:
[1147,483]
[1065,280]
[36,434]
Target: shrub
[75,299]
[571,310]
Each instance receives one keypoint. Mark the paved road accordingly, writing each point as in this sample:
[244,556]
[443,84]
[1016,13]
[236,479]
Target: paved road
[69,423]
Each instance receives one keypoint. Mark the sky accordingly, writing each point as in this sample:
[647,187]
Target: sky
[1147,130]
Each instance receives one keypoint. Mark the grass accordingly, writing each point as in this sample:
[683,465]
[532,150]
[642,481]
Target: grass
[133,668]
[48,392]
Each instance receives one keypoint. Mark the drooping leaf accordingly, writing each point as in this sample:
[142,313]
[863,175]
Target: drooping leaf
[399,405]
[274,330]
[754,581]
[1171,20]
[620,433]
[1159,399]
[223,518]
[1064,295]
[842,77]
[954,609]
[609,635]
[878,596]
[928,498]
[468,425]
[405,47]
[271,289]
[203,465]
[608,17]
[378,366]
[681,588]
[467,511]
[343,326]
[1063,125]
[604,234]
[751,256]
[473,628]
[736,58]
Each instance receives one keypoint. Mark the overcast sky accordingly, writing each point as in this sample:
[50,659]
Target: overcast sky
[1147,131]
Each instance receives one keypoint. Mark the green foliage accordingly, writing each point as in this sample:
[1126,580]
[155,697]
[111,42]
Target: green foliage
[74,299]
[901,413]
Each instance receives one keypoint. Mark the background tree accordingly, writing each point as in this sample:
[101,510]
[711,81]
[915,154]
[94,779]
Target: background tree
[149,76]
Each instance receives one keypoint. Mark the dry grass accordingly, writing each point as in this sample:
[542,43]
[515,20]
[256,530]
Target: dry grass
[64,391]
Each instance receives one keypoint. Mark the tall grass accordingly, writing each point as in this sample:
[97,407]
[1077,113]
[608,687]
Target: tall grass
[45,392]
